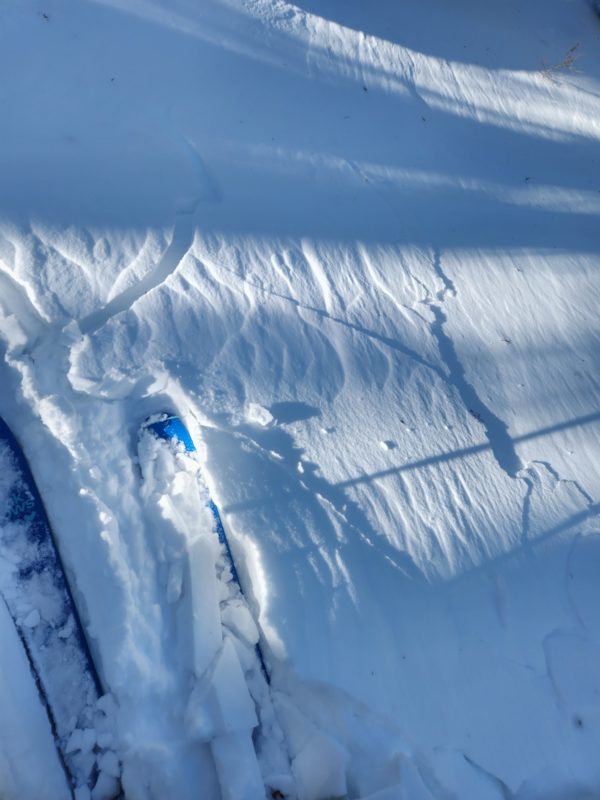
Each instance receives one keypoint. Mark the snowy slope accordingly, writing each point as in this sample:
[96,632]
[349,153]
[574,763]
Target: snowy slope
[356,246]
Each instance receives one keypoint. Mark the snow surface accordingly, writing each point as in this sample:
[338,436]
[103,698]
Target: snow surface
[26,735]
[33,592]
[355,246]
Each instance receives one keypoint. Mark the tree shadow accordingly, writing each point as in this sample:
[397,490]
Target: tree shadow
[465,452]
[466,31]
[292,482]
[488,624]
[338,163]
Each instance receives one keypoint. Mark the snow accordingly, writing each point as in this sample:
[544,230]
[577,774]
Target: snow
[34,594]
[26,735]
[355,247]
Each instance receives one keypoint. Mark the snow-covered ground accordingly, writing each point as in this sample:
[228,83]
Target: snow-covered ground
[356,247]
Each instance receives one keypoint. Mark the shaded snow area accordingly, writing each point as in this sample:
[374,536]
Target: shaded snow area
[355,246]
[33,591]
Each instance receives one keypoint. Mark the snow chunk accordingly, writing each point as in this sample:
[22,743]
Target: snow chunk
[258,415]
[230,693]
[67,628]
[106,788]
[175,582]
[109,763]
[32,619]
[387,444]
[321,768]
[237,767]
[82,741]
[206,631]
[237,617]
[105,740]
[225,706]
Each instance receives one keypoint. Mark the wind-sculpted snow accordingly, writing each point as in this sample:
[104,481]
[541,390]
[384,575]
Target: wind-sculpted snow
[357,250]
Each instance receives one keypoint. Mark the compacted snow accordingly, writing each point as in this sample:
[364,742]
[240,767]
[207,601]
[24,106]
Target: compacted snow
[355,246]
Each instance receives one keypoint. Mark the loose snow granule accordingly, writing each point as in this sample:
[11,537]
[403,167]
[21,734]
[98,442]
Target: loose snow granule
[88,740]
[74,742]
[32,619]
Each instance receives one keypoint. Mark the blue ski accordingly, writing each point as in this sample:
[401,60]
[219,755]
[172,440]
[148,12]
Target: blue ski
[246,740]
[170,428]
[38,597]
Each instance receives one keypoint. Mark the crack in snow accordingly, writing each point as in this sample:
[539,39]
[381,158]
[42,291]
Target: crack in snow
[502,445]
[181,242]
[183,236]
[494,779]
[525,514]
[449,286]
[568,481]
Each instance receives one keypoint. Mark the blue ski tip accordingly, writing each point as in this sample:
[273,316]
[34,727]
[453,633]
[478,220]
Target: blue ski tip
[170,427]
